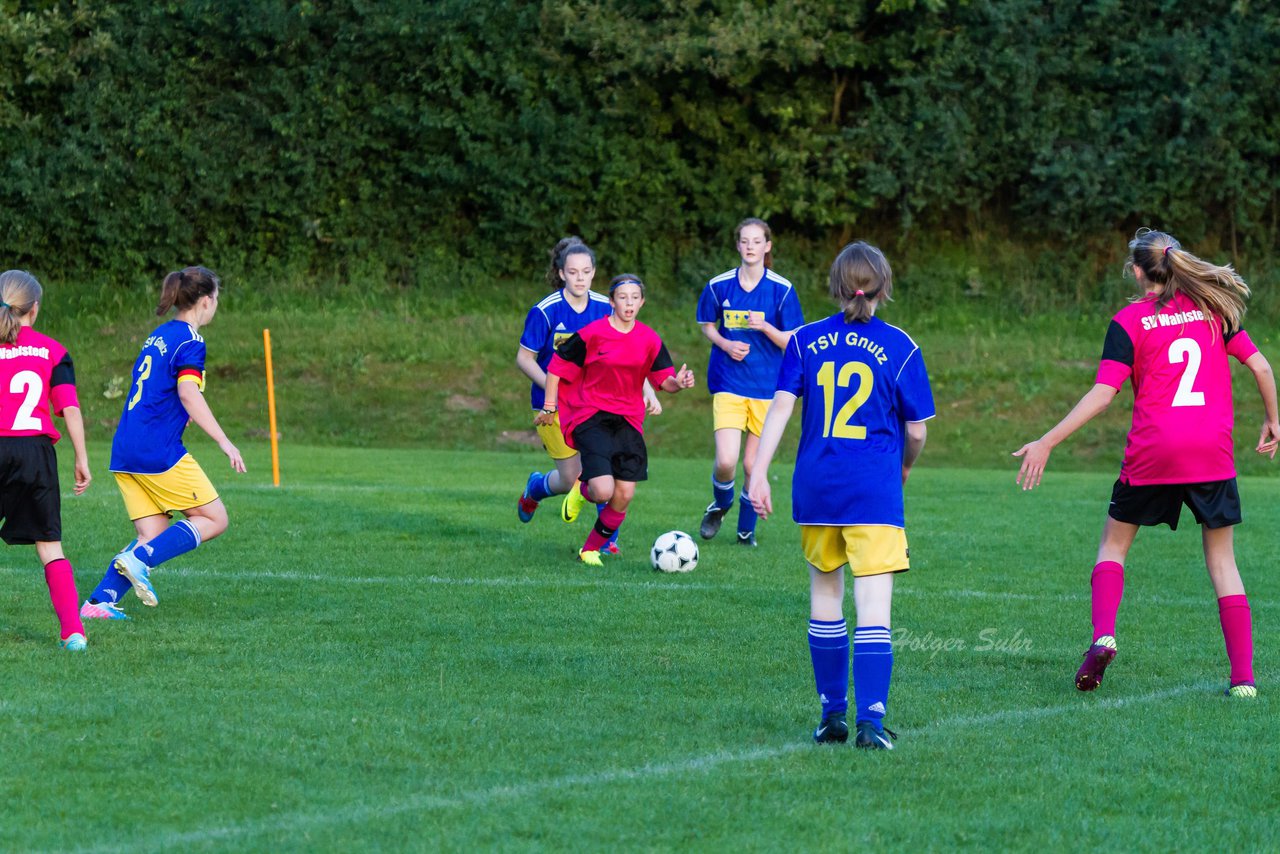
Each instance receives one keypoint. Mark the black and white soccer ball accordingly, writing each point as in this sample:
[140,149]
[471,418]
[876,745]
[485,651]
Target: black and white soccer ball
[674,551]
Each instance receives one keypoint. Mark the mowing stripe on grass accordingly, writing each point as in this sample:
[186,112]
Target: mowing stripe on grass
[588,582]
[302,821]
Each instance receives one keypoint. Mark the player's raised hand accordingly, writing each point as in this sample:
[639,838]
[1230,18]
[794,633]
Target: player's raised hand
[1035,455]
[684,377]
[1269,440]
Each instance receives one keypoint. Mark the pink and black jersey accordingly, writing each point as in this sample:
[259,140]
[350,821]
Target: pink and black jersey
[1177,363]
[603,370]
[37,380]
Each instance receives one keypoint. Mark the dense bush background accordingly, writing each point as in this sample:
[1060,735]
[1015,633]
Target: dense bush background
[419,142]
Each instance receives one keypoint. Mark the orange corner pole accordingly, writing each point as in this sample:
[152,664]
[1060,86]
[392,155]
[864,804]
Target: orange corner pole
[271,411]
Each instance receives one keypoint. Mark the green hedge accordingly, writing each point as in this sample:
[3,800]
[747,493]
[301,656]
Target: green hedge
[413,141]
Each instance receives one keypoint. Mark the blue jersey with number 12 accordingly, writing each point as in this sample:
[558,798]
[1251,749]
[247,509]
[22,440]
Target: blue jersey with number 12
[859,384]
[149,438]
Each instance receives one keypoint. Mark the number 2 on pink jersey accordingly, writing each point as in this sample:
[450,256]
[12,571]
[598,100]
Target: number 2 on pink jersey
[1186,350]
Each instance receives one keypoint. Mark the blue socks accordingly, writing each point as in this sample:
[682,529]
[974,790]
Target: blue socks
[829,650]
[538,488]
[872,668]
[746,515]
[179,538]
[113,585]
[723,493]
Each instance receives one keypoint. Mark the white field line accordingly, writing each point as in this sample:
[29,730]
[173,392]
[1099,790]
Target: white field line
[300,822]
[622,584]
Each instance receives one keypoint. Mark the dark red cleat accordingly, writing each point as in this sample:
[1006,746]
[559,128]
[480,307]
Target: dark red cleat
[1089,676]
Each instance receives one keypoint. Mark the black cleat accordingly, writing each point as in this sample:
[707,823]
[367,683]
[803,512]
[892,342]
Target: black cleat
[747,538]
[833,729]
[872,736]
[711,520]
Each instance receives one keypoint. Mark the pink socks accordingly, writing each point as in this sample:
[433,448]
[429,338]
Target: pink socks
[1108,587]
[63,595]
[1237,630]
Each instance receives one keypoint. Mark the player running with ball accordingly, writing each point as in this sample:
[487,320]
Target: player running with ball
[1172,345]
[603,367]
[866,397]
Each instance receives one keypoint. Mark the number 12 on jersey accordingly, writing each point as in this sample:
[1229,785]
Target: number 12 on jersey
[839,426]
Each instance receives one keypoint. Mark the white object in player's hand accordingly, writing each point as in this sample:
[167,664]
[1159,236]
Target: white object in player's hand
[674,551]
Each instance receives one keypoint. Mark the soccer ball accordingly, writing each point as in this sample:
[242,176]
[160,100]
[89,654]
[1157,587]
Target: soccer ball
[674,551]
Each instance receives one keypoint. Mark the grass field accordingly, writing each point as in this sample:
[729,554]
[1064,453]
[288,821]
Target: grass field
[377,656]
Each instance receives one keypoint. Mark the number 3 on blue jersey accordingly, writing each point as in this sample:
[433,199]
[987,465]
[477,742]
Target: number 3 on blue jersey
[143,372]
[840,427]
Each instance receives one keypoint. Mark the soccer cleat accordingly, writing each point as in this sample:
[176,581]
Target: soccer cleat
[572,504]
[747,538]
[1244,690]
[128,565]
[834,728]
[590,558]
[526,505]
[101,611]
[872,736]
[1096,659]
[610,549]
[711,521]
[74,643]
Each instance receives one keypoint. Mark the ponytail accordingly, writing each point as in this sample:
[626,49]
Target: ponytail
[19,292]
[860,276]
[1216,290]
[184,288]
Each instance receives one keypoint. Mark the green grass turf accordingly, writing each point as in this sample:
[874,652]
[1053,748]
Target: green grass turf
[378,656]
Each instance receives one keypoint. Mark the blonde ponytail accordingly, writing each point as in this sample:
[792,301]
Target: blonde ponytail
[19,292]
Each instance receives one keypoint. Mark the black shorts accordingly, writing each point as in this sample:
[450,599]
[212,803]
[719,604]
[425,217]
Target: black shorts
[609,445]
[1216,504]
[29,499]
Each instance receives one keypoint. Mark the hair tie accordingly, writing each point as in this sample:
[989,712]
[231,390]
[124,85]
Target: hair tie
[859,294]
[1166,250]
[4,304]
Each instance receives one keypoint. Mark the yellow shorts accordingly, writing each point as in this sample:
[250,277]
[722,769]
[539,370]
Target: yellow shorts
[553,441]
[180,488]
[731,412]
[868,549]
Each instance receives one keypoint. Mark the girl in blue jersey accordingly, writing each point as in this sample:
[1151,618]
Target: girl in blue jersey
[866,397]
[748,315]
[571,306]
[155,473]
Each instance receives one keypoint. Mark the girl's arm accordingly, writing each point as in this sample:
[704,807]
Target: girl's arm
[737,350]
[527,361]
[1036,454]
[1262,375]
[193,401]
[549,405]
[773,333]
[75,432]
[683,379]
[916,433]
[758,489]
[652,406]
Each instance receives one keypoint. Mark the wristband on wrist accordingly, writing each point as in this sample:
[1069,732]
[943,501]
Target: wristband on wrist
[550,410]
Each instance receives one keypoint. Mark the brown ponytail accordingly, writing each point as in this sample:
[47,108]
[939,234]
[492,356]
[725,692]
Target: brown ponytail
[859,275]
[184,288]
